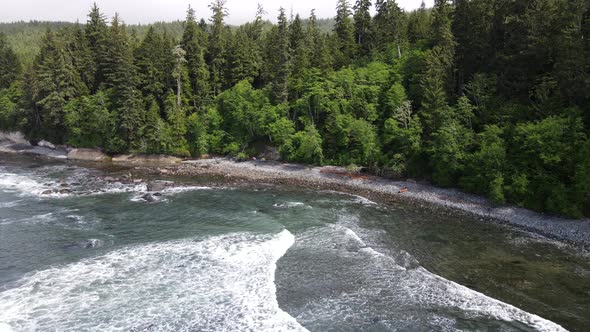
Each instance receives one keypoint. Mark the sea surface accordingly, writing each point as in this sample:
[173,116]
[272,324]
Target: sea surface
[98,257]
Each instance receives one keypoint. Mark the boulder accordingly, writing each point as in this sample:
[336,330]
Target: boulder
[46,144]
[149,198]
[65,191]
[47,192]
[137,159]
[88,155]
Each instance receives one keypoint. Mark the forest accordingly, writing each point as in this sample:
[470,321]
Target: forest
[489,96]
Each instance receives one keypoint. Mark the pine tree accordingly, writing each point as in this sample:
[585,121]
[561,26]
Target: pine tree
[9,64]
[362,26]
[193,43]
[55,83]
[77,45]
[149,61]
[245,57]
[216,53]
[389,24]
[344,31]
[320,55]
[281,60]
[419,24]
[300,56]
[96,32]
[472,28]
[121,78]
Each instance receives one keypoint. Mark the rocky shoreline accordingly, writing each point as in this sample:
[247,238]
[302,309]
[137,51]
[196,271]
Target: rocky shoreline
[378,189]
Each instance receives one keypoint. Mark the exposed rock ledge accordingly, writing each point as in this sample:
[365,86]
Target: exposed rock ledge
[88,155]
[153,160]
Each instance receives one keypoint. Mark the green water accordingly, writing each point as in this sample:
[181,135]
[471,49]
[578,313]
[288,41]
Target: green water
[260,258]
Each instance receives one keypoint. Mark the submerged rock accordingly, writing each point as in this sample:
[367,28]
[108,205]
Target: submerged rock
[149,198]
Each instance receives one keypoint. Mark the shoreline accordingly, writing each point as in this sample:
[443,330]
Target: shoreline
[382,190]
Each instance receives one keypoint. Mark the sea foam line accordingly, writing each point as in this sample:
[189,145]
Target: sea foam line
[223,283]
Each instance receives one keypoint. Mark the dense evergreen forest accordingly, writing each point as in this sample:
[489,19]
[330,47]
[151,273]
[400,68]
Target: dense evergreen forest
[491,96]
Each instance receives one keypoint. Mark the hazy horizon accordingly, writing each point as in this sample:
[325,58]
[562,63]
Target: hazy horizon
[143,12]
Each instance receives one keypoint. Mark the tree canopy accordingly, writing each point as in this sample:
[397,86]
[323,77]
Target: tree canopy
[490,96]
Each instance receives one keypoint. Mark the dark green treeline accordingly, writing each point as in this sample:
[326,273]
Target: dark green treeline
[491,96]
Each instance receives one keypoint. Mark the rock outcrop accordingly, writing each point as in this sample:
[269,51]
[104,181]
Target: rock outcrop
[88,155]
[154,160]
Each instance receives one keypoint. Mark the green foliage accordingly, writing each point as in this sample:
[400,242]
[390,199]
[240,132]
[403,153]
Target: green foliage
[488,96]
[307,146]
[448,152]
[344,31]
[9,64]
[485,168]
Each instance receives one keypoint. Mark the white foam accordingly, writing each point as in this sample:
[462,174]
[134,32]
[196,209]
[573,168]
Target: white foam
[400,288]
[24,185]
[181,189]
[5,328]
[223,283]
[291,205]
[362,200]
[9,204]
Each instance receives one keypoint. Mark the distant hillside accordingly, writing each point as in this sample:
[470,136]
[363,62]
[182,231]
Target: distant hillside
[25,37]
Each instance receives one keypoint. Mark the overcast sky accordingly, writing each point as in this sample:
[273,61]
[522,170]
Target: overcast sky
[147,11]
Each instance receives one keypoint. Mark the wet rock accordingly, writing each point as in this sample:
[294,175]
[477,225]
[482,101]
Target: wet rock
[88,155]
[149,198]
[65,191]
[64,185]
[46,144]
[136,181]
[111,179]
[47,192]
[75,184]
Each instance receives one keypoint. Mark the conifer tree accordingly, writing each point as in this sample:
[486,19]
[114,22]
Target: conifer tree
[149,61]
[320,56]
[77,45]
[300,55]
[96,32]
[419,24]
[56,82]
[193,43]
[9,64]
[389,24]
[344,31]
[216,53]
[281,60]
[120,77]
[362,26]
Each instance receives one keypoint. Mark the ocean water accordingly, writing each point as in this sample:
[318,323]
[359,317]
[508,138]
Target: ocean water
[259,258]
